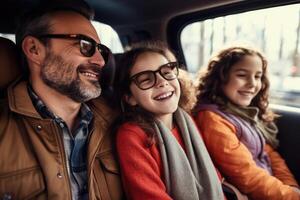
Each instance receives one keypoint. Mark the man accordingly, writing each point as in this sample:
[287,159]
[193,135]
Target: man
[54,140]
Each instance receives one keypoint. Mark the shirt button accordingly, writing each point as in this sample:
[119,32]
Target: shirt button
[6,197]
[61,125]
[39,127]
[59,175]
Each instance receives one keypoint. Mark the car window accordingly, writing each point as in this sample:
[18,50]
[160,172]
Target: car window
[8,36]
[275,31]
[108,36]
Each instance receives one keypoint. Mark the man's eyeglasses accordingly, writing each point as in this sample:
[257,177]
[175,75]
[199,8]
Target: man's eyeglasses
[87,45]
[147,79]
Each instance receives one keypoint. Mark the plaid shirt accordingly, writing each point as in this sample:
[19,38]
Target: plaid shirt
[75,144]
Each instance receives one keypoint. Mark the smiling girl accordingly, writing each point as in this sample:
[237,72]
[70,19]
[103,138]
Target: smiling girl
[237,127]
[161,153]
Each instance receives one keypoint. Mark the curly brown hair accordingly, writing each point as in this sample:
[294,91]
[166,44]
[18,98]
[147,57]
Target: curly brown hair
[188,97]
[217,74]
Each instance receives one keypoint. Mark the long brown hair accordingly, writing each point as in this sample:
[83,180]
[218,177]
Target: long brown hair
[217,74]
[136,114]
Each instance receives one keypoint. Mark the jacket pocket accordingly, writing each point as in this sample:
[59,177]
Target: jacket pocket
[107,177]
[109,163]
[22,184]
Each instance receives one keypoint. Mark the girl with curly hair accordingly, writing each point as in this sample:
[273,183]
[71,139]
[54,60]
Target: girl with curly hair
[161,153]
[237,126]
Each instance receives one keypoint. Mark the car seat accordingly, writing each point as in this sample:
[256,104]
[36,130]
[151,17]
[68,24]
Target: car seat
[9,64]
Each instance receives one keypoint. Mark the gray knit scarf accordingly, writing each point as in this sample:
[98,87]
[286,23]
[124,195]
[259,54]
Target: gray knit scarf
[190,174]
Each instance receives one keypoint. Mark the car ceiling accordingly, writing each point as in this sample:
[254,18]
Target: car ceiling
[117,13]
[136,20]
[127,12]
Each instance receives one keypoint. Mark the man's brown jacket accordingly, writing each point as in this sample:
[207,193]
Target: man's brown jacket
[32,157]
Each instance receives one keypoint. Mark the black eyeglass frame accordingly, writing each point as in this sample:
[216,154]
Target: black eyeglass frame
[176,65]
[104,50]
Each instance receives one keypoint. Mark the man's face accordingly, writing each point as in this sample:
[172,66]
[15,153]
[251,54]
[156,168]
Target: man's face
[68,79]
[65,68]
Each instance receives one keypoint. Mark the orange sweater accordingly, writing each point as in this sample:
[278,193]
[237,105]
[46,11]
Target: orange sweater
[235,162]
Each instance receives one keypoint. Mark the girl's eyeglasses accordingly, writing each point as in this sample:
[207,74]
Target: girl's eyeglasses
[147,79]
[87,45]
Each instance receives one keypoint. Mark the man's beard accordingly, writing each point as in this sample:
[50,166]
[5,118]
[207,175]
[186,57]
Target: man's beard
[59,75]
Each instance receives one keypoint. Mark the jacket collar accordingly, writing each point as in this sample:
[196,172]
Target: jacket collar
[19,99]
[20,102]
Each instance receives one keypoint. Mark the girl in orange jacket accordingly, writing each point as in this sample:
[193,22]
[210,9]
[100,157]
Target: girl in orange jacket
[238,128]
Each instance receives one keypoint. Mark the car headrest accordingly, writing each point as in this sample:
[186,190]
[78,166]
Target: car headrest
[108,72]
[9,63]
[118,57]
[108,77]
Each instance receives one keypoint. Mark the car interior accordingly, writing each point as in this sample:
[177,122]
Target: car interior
[136,21]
